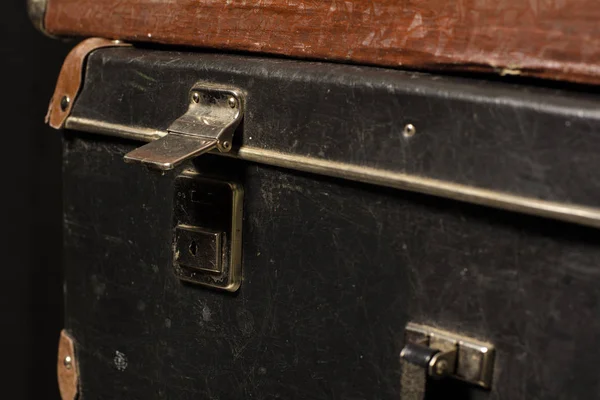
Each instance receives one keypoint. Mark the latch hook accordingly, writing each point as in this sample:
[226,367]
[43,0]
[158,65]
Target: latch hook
[212,116]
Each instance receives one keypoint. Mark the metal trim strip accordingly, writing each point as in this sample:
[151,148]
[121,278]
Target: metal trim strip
[564,212]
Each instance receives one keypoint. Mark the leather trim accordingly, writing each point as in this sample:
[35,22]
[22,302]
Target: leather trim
[67,368]
[71,78]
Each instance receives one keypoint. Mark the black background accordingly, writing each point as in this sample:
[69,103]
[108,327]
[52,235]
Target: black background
[30,288]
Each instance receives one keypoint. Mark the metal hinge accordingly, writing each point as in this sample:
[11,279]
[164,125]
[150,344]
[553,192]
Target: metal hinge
[213,114]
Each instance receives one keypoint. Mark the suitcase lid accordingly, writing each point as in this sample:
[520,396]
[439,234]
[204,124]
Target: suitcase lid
[550,40]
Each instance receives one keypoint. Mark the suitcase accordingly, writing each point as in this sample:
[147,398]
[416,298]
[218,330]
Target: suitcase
[239,226]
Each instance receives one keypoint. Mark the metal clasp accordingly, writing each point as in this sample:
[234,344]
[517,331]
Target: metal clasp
[438,354]
[213,114]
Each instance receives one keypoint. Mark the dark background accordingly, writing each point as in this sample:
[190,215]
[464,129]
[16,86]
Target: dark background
[30,288]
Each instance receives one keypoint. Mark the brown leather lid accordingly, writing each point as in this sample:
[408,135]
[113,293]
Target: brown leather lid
[553,39]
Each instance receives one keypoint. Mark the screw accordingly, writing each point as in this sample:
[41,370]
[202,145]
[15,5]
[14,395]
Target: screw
[64,103]
[226,145]
[195,97]
[409,130]
[68,361]
[441,367]
[232,101]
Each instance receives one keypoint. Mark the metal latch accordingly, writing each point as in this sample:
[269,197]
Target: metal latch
[213,115]
[430,352]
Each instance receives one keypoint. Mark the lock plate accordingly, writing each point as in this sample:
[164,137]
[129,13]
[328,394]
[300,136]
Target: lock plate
[207,241]
[199,249]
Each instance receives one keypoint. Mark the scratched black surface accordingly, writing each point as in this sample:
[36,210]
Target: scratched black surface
[537,142]
[332,271]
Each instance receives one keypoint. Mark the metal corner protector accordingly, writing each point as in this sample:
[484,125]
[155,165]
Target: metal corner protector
[36,9]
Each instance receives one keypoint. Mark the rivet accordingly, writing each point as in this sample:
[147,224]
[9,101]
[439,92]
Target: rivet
[441,367]
[409,130]
[64,103]
[195,97]
[226,145]
[68,361]
[232,101]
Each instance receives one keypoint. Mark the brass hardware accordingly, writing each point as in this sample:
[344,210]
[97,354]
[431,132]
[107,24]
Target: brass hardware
[232,101]
[64,103]
[439,354]
[409,130]
[199,249]
[213,115]
[207,242]
[68,375]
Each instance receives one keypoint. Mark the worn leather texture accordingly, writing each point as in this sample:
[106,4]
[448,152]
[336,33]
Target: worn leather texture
[70,79]
[554,39]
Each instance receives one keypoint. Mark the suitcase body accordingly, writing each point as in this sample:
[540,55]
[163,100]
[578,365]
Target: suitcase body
[479,220]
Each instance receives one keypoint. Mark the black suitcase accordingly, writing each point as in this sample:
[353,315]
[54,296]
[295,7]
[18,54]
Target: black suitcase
[339,217]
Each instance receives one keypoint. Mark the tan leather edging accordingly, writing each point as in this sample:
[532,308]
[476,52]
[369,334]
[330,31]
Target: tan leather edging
[70,79]
[67,368]
[549,39]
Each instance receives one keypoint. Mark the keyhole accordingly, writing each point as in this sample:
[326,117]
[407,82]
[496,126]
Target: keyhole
[193,248]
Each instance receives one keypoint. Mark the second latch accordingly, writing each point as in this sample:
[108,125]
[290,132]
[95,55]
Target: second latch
[432,352]
[213,114]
